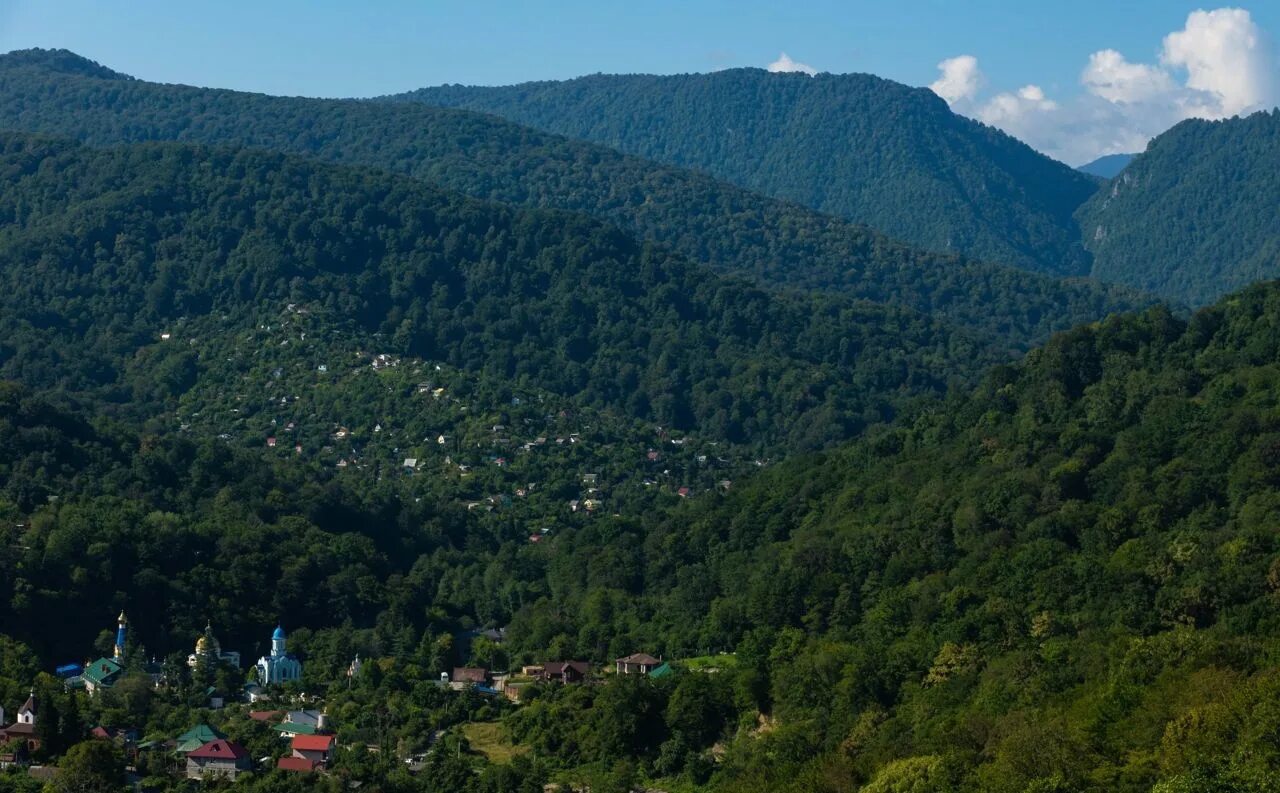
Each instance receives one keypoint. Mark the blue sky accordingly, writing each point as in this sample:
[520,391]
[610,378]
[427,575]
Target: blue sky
[324,48]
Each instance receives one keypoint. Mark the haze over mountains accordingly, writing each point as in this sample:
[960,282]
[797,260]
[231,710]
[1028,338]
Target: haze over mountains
[895,440]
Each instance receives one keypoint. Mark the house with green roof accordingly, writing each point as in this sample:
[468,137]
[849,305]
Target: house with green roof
[196,737]
[101,674]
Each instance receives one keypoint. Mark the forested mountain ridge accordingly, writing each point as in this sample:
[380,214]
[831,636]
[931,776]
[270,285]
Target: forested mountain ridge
[706,220]
[103,249]
[1195,216]
[854,145]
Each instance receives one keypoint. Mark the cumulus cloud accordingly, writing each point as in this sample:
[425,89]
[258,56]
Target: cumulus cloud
[1009,107]
[1219,65]
[1226,55]
[785,64]
[1112,77]
[960,79]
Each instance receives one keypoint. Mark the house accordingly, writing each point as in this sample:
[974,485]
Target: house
[218,758]
[296,764]
[265,715]
[565,671]
[195,738]
[315,749]
[469,676]
[637,664]
[101,674]
[303,722]
[23,730]
[254,692]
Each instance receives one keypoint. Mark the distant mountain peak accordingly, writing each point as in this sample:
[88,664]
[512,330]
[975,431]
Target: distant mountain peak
[1107,166]
[63,61]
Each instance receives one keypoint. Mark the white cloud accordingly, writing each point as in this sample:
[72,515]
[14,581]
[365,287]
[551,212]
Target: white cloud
[1113,78]
[785,64]
[1009,108]
[1219,65]
[1225,54]
[960,79]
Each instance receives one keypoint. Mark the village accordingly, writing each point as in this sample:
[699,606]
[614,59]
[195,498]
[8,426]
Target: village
[286,387]
[305,737]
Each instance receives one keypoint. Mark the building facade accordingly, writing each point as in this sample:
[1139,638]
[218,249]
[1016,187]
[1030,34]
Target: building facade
[279,666]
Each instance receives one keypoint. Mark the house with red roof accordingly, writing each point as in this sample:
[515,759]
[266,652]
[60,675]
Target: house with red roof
[218,758]
[297,764]
[313,749]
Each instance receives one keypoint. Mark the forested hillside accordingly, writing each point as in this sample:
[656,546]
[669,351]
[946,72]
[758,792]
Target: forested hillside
[103,249]
[1195,216]
[853,145]
[707,221]
[1066,581]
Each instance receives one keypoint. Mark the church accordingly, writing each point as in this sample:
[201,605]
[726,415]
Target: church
[279,666]
[210,651]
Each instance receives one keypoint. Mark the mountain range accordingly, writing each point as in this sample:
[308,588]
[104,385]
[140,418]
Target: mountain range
[731,229]
[893,441]
[857,146]
[897,159]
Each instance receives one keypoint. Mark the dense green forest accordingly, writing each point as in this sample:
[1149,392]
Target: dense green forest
[705,220]
[1196,215]
[1182,222]
[854,145]
[103,249]
[1064,581]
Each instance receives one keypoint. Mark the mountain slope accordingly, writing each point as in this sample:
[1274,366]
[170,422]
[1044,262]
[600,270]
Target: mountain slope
[101,249]
[708,221]
[1196,215]
[1064,581]
[858,146]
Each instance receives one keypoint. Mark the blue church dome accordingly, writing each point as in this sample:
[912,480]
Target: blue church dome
[279,633]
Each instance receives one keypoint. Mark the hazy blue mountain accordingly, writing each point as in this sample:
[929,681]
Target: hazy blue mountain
[1107,166]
